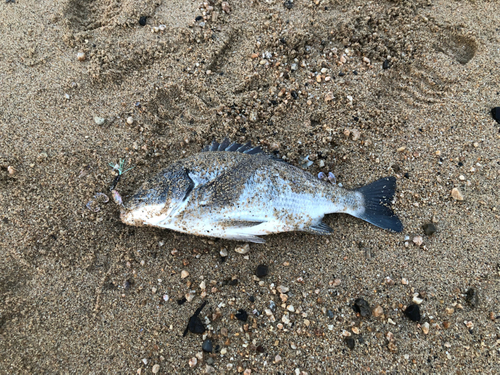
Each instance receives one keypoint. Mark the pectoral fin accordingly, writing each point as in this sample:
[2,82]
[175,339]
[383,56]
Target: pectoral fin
[320,228]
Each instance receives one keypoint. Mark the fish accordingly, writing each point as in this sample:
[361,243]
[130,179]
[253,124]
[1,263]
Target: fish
[237,192]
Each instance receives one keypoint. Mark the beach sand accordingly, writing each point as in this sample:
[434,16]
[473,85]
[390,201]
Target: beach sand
[365,89]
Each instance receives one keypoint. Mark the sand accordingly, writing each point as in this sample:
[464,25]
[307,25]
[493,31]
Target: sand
[81,292]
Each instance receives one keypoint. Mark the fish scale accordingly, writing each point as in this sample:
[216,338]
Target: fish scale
[237,192]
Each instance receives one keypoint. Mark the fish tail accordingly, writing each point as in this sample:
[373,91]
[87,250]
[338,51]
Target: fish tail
[377,198]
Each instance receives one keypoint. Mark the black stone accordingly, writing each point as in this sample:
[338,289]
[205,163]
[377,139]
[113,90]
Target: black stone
[241,315]
[355,72]
[362,307]
[407,175]
[294,94]
[181,301]
[251,299]
[412,312]
[260,349]
[142,20]
[261,271]
[195,325]
[198,18]
[472,297]
[350,343]
[282,41]
[233,282]
[288,4]
[495,113]
[386,64]
[429,229]
[329,313]
[341,74]
[207,346]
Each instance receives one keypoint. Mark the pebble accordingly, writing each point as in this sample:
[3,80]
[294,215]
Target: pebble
[184,274]
[142,20]
[283,289]
[350,343]
[412,312]
[416,299]
[130,120]
[449,310]
[243,249]
[378,311]
[223,253]
[81,56]
[355,330]
[277,359]
[247,372]
[156,369]
[429,229]
[425,328]
[404,281]
[362,307]
[472,297]
[99,120]
[456,194]
[241,315]
[290,308]
[294,66]
[385,64]
[329,313]
[207,346]
[418,240]
[192,362]
[11,170]
[261,271]
[495,113]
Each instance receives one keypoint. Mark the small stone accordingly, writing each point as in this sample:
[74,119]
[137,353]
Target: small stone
[390,321]
[495,113]
[11,170]
[378,311]
[425,328]
[155,369]
[404,281]
[329,97]
[223,253]
[241,315]
[207,346]
[184,274]
[429,229]
[416,299]
[277,359]
[355,330]
[166,297]
[472,297]
[446,324]
[392,347]
[243,249]
[288,4]
[469,324]
[362,307]
[456,194]
[130,120]
[225,7]
[247,372]
[412,312]
[449,310]
[81,56]
[283,289]
[418,240]
[99,120]
[142,20]
[261,271]
[192,362]
[290,308]
[329,313]
[366,60]
[355,134]
[386,64]
[350,343]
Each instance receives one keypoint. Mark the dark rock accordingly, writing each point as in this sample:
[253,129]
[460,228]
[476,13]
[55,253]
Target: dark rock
[233,282]
[260,349]
[142,20]
[195,325]
[294,94]
[341,74]
[495,113]
[386,64]
[472,297]
[412,312]
[288,4]
[429,229]
[241,315]
[350,343]
[362,307]
[181,301]
[251,299]
[407,175]
[207,346]
[198,18]
[329,313]
[262,270]
[355,72]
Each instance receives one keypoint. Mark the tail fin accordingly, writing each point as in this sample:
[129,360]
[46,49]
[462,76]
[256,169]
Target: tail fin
[377,198]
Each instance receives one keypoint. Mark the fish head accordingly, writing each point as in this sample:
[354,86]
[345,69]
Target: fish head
[158,200]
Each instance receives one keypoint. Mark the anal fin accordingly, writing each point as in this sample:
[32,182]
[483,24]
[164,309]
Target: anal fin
[320,228]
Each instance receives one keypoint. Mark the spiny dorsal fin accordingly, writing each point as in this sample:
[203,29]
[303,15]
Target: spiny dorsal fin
[226,145]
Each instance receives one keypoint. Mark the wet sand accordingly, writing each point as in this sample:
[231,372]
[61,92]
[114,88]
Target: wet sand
[365,89]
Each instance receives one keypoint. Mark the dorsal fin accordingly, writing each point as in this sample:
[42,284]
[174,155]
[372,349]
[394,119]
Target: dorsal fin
[226,145]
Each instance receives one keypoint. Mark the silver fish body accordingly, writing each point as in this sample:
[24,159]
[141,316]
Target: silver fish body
[236,192]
